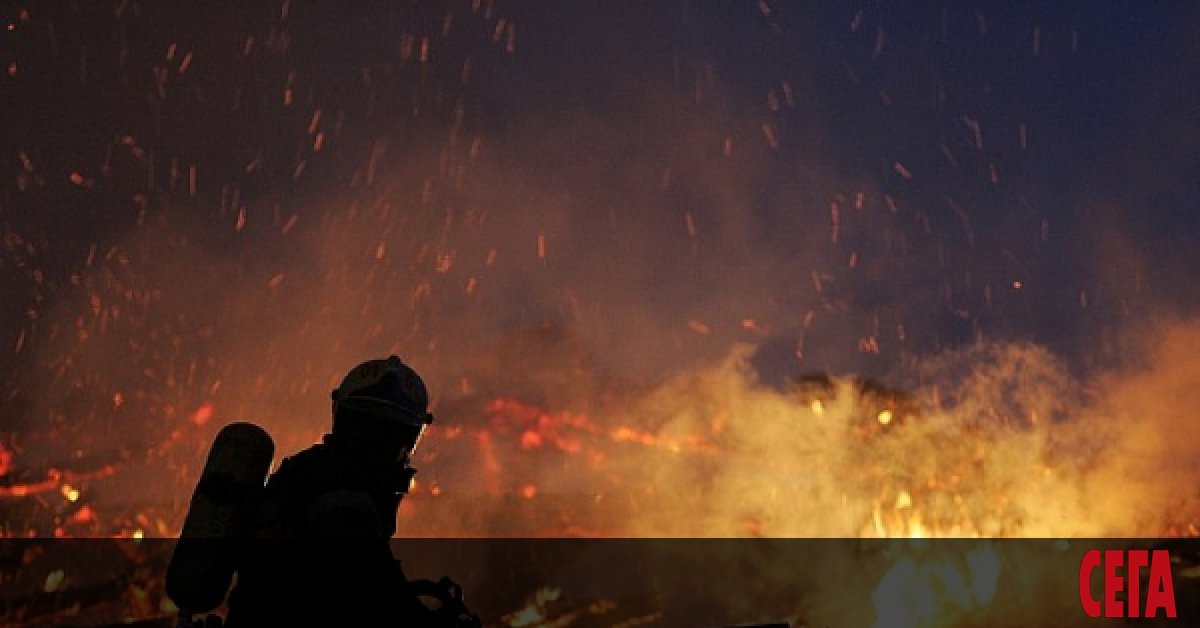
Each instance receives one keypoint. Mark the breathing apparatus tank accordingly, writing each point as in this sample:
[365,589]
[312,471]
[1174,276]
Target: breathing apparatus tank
[222,511]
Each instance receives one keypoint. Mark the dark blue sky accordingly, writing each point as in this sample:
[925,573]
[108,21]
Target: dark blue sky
[919,109]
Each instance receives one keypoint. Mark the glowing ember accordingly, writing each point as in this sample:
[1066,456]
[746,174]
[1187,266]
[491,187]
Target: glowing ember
[70,493]
[54,580]
[203,414]
[83,515]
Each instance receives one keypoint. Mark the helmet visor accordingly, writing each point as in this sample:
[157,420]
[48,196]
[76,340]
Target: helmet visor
[381,427]
[383,406]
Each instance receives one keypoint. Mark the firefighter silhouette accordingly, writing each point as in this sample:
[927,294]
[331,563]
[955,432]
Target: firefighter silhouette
[313,544]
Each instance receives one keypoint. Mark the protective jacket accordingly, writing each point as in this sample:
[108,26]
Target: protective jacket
[321,552]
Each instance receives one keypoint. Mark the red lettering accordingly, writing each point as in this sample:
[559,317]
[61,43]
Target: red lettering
[1159,595]
[1137,560]
[1113,583]
[1091,561]
[1162,589]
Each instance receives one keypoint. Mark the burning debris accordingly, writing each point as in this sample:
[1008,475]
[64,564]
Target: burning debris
[546,608]
[815,460]
[202,212]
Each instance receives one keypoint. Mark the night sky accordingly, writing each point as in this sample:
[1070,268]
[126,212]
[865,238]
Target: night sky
[230,203]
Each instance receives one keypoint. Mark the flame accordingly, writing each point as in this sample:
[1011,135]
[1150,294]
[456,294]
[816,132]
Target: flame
[705,454]
[891,475]
[54,580]
[535,611]
[140,604]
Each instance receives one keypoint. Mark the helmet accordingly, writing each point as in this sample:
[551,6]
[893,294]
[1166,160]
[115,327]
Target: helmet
[389,395]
